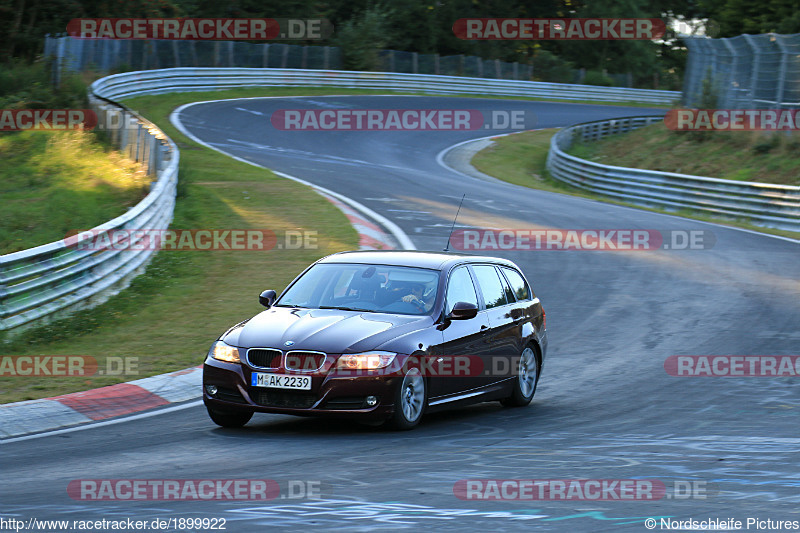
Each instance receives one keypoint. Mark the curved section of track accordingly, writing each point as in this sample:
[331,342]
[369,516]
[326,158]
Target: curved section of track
[605,407]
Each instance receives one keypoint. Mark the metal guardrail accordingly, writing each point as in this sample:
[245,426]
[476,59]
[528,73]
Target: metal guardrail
[764,204]
[43,282]
[207,79]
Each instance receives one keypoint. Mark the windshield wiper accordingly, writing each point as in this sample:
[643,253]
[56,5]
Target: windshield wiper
[342,308]
[291,305]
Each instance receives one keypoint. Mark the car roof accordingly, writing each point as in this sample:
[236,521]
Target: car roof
[432,260]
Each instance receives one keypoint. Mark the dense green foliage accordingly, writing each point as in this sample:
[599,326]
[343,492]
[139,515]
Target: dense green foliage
[28,86]
[362,27]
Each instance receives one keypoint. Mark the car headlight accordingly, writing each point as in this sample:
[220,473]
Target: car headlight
[365,361]
[222,352]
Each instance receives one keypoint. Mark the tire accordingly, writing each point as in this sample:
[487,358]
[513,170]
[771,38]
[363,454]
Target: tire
[409,401]
[229,419]
[526,379]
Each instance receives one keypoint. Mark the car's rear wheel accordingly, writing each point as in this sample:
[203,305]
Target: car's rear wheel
[525,381]
[410,400]
[229,419]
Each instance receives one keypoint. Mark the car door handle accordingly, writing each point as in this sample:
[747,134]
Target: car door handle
[484,326]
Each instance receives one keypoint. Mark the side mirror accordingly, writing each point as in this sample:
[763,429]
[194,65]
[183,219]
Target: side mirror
[463,311]
[267,298]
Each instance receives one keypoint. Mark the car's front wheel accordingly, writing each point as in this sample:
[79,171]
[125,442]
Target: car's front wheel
[525,381]
[409,401]
[229,419]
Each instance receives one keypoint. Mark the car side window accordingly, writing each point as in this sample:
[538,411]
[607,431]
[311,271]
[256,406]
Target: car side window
[518,285]
[507,289]
[490,285]
[460,289]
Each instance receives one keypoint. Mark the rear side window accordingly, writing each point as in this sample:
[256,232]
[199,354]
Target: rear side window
[507,290]
[490,285]
[460,289]
[518,285]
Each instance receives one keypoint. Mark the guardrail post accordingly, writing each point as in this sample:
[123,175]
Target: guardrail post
[779,90]
[89,55]
[58,63]
[114,125]
[138,143]
[152,167]
[754,69]
[122,140]
[128,53]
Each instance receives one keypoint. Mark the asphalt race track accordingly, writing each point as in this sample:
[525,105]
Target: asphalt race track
[605,407]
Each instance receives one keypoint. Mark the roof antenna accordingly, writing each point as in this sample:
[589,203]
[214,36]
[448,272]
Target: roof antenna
[447,248]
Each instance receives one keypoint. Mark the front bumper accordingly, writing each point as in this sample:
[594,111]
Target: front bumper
[330,396]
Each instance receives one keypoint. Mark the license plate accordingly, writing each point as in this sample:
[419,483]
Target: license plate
[280,381]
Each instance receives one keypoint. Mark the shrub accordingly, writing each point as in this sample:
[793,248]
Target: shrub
[594,77]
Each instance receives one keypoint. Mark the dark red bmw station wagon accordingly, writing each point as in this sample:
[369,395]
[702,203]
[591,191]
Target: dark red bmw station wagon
[382,336]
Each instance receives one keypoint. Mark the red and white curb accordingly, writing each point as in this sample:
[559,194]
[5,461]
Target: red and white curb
[36,416]
[370,236]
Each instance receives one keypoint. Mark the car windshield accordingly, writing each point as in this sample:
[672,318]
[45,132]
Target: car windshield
[360,287]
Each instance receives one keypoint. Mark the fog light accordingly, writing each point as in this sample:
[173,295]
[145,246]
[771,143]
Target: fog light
[211,390]
[371,401]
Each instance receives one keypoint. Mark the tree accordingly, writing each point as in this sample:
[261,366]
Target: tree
[361,39]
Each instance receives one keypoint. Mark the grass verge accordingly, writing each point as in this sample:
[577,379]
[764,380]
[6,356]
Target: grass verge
[731,155]
[521,158]
[56,182]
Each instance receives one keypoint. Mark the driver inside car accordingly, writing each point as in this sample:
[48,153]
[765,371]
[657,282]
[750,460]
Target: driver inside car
[416,297]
